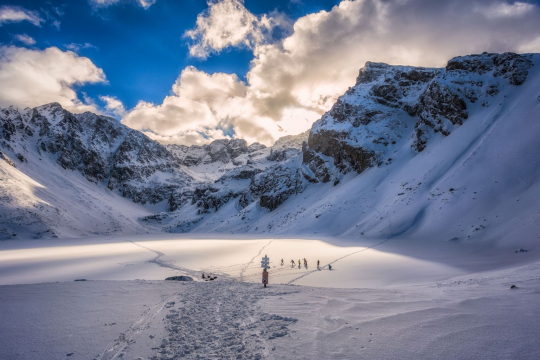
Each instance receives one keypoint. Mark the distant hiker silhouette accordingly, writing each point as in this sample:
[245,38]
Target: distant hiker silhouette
[265,277]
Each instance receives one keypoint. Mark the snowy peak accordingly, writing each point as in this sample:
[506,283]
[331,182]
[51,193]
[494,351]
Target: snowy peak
[98,147]
[400,145]
[222,150]
[513,67]
[374,72]
[392,103]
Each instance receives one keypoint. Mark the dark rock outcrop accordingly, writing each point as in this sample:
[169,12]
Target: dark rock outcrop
[277,184]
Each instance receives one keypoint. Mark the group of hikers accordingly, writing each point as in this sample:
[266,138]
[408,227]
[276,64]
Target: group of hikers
[209,277]
[305,264]
[265,272]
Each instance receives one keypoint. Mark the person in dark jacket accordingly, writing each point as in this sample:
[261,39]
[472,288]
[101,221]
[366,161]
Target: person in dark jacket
[265,277]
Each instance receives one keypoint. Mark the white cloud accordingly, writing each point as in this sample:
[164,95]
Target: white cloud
[113,105]
[199,110]
[147,3]
[77,47]
[505,10]
[17,14]
[292,82]
[104,3]
[25,39]
[36,77]
[226,23]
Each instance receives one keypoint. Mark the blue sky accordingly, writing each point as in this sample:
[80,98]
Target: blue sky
[142,52]
[253,69]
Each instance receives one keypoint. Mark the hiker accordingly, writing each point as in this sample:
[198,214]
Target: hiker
[318,262]
[203,276]
[305,262]
[265,277]
[292,263]
[299,263]
[281,262]
[329,267]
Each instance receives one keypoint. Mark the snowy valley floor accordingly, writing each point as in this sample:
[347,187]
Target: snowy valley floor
[379,302]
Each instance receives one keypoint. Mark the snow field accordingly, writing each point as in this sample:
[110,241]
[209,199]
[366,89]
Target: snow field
[471,317]
[155,257]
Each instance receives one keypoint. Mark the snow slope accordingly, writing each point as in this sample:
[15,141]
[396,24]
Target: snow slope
[42,200]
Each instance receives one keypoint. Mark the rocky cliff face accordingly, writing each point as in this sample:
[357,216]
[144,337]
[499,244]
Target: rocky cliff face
[244,173]
[99,147]
[392,104]
[222,150]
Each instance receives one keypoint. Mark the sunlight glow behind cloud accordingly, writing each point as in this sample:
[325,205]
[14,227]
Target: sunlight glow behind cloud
[292,82]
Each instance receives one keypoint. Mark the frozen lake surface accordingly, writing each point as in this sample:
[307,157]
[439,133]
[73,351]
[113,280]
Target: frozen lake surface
[155,257]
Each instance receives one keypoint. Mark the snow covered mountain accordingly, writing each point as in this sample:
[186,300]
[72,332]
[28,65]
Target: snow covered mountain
[49,152]
[431,153]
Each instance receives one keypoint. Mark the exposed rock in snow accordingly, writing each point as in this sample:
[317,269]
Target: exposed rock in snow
[390,103]
[222,150]
[99,147]
[277,184]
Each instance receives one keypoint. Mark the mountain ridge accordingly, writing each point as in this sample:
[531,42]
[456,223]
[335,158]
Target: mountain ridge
[379,128]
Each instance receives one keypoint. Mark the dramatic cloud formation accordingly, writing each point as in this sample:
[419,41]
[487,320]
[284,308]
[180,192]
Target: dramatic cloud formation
[104,3]
[25,39]
[226,23]
[36,77]
[293,81]
[202,107]
[17,14]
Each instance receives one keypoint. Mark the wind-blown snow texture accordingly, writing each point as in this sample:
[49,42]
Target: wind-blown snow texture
[443,154]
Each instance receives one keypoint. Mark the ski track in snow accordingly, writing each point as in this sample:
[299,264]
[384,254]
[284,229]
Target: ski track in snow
[336,260]
[122,343]
[353,253]
[157,260]
[252,260]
